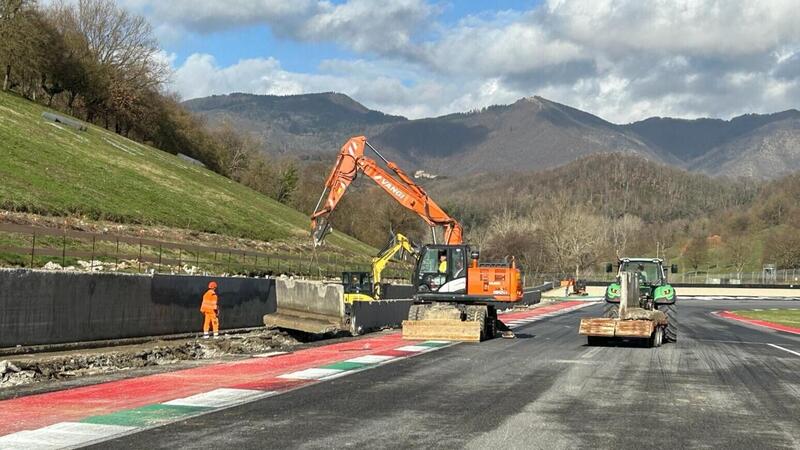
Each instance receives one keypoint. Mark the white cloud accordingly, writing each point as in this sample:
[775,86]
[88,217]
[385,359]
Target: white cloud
[621,59]
[381,27]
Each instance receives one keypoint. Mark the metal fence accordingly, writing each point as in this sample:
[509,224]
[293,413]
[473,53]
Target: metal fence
[40,247]
[782,277]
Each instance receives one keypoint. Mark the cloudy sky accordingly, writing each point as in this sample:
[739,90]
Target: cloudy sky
[621,59]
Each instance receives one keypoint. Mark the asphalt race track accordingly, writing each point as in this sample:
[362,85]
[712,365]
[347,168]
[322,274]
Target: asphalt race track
[722,385]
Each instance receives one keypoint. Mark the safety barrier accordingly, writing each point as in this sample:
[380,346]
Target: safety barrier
[39,307]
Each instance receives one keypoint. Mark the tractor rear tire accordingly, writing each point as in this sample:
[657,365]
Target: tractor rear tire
[671,331]
[611,311]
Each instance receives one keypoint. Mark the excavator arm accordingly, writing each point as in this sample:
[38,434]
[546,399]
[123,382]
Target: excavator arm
[399,243]
[396,183]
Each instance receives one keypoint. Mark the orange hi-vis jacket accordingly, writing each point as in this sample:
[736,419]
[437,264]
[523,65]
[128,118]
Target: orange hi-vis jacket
[209,302]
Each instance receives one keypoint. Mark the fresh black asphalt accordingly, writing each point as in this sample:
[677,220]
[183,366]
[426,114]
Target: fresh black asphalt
[720,386]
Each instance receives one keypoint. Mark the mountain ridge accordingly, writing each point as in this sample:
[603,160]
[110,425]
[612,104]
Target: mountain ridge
[531,133]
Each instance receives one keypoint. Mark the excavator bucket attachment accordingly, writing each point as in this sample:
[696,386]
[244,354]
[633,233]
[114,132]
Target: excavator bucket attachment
[320,228]
[445,330]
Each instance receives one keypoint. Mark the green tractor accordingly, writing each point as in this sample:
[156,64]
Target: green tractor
[654,291]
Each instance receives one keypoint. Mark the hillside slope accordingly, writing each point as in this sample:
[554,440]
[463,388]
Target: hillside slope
[770,151]
[52,169]
[302,125]
[611,184]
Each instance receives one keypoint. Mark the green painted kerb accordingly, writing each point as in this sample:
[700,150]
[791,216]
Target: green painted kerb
[434,344]
[346,365]
[146,415]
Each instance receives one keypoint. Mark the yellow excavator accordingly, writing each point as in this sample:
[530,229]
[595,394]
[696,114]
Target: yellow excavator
[366,286]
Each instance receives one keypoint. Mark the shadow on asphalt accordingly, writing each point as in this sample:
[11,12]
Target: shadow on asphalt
[524,336]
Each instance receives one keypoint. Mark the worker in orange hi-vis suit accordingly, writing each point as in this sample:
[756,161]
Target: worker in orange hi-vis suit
[210,310]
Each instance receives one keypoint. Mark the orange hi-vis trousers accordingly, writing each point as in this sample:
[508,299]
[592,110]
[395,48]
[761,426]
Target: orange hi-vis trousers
[211,321]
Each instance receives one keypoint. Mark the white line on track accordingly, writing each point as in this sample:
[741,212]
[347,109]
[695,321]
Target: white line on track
[784,349]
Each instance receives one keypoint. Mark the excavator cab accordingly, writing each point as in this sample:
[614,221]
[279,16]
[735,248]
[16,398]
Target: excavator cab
[442,268]
[358,286]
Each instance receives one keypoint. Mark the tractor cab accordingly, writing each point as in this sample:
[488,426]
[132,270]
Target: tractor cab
[653,284]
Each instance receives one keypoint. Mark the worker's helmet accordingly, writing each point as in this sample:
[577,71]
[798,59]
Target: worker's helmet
[212,285]
[641,266]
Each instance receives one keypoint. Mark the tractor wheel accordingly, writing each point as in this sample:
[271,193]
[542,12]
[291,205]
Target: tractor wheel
[611,311]
[671,331]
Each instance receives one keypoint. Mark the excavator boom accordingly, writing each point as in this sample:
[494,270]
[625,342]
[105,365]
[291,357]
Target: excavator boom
[396,183]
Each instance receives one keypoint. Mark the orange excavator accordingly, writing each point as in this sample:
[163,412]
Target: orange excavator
[456,296]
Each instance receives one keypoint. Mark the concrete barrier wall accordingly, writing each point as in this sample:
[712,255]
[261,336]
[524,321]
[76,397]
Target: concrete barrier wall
[38,307]
[310,296]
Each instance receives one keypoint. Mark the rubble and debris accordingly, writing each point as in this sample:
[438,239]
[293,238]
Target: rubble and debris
[32,368]
[52,266]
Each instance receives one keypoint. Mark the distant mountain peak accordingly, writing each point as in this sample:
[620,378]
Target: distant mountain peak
[532,132]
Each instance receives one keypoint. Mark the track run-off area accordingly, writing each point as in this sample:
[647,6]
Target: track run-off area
[724,384]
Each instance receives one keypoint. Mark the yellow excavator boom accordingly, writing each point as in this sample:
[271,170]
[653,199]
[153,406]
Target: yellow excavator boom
[399,243]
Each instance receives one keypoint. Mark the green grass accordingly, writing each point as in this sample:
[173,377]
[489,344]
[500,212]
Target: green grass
[789,317]
[52,169]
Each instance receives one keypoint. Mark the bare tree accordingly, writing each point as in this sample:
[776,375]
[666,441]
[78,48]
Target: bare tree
[697,251]
[121,41]
[621,231]
[574,237]
[740,251]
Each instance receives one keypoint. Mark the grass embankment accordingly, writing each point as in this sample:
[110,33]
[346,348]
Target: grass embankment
[788,317]
[54,170]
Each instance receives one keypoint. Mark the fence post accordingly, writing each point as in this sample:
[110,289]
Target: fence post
[140,256]
[116,256]
[64,249]
[160,249]
[91,260]
[197,258]
[33,248]
[180,258]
